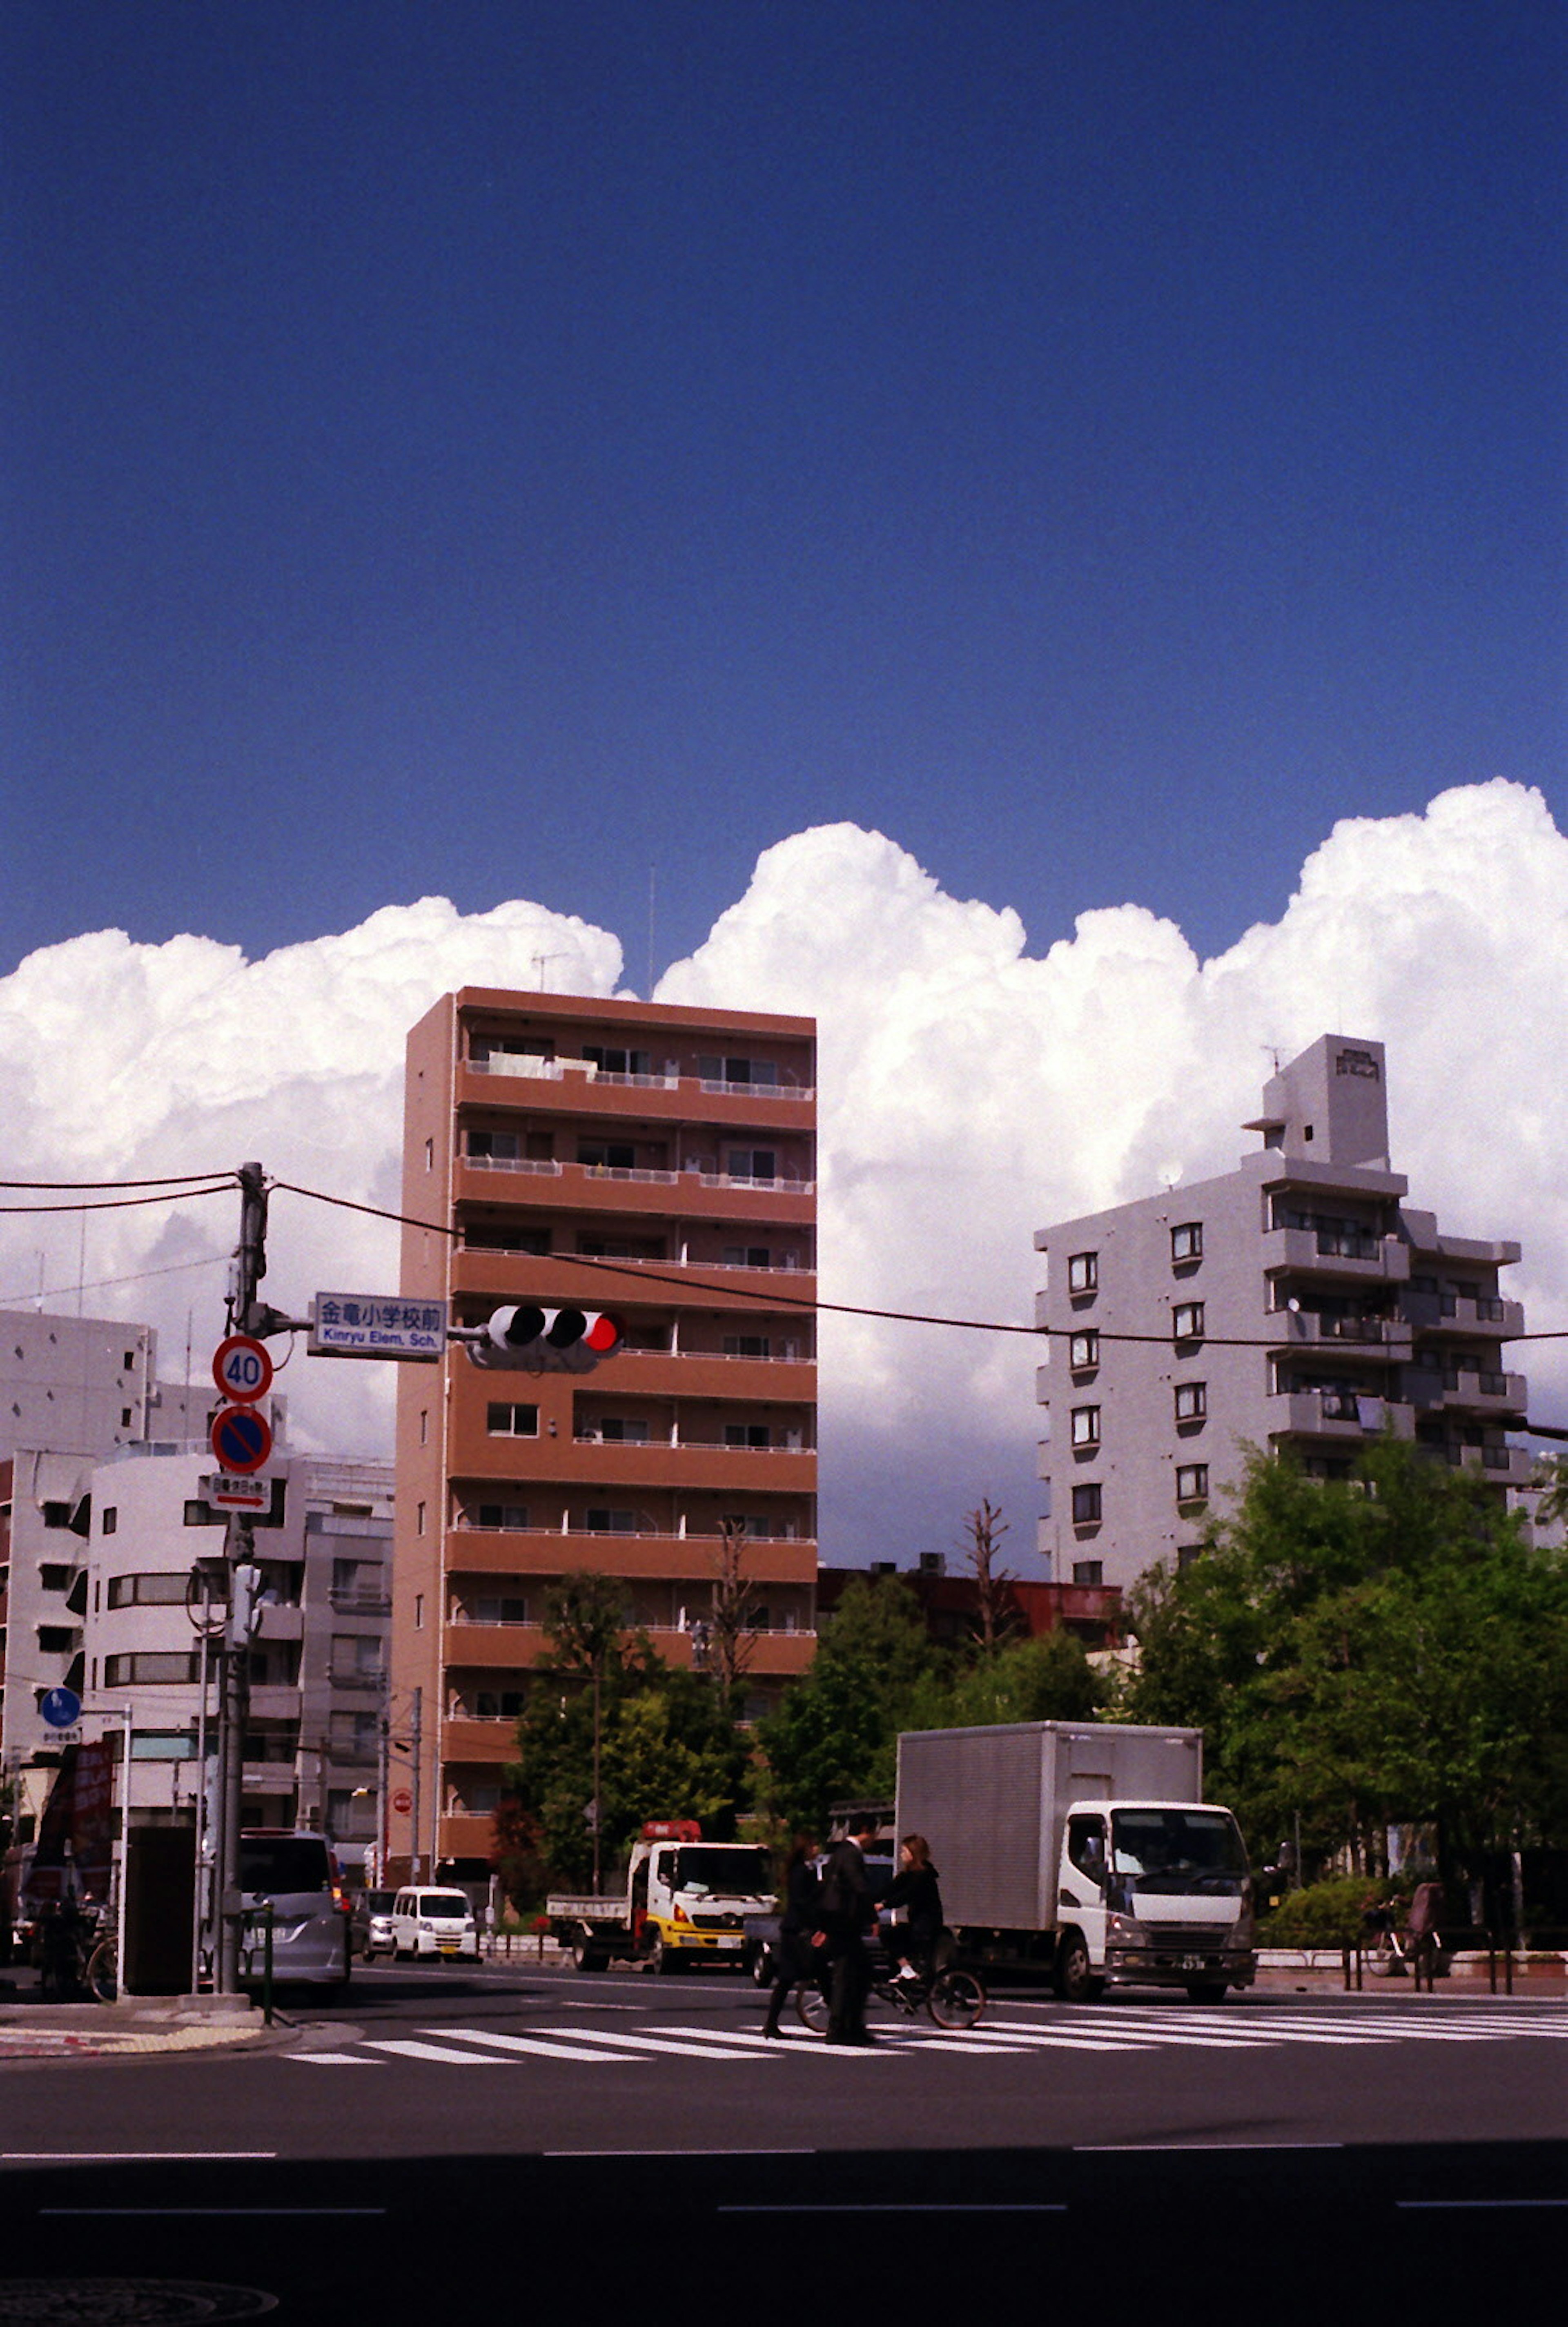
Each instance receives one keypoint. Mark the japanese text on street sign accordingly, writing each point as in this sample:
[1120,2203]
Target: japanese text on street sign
[377,1325]
[228,1491]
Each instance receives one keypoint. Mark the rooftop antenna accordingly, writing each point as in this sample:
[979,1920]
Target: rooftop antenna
[1274,1050]
[540,962]
[651,871]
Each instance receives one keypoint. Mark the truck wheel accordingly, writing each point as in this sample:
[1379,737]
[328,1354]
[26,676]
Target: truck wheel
[662,1960]
[1076,1979]
[585,1956]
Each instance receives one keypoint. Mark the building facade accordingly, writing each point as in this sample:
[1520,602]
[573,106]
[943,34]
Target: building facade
[658,1162]
[1298,1301]
[100,1600]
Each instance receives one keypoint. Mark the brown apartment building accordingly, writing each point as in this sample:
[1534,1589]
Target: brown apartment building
[658,1162]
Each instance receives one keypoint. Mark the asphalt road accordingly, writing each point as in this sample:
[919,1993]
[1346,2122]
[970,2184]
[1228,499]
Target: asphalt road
[491,2134]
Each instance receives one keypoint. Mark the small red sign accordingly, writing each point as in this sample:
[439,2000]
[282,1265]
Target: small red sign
[241,1438]
[402,1801]
[242,1369]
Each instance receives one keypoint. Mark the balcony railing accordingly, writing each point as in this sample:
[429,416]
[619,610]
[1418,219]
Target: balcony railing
[685,1445]
[351,1676]
[622,1535]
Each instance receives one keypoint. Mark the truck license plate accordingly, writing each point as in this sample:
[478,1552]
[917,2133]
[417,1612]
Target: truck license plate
[1193,1962]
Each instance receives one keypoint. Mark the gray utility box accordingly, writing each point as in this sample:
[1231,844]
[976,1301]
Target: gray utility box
[991,1802]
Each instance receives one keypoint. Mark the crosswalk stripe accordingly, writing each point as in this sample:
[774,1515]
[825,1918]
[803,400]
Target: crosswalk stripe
[653,2044]
[331,2060]
[800,2041]
[1018,2036]
[1167,2037]
[410,2051]
[539,2046]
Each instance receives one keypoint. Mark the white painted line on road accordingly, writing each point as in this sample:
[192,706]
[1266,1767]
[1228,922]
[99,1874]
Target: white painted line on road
[333,2060]
[1177,2148]
[409,2050]
[1024,2032]
[772,2045]
[1154,2033]
[651,2044]
[131,2156]
[537,2044]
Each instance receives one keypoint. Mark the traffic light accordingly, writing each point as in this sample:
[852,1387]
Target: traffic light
[548,1341]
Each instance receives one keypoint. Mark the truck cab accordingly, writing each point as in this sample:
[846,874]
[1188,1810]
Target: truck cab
[691,1899]
[1157,1895]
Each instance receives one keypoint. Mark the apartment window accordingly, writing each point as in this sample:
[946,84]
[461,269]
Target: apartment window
[606,1154]
[746,1434]
[618,1063]
[52,1577]
[512,1420]
[498,1608]
[1085,1506]
[1192,1482]
[747,1345]
[622,1430]
[502,1145]
[748,1256]
[356,1653]
[419,1612]
[500,1704]
[425,1426]
[1187,1242]
[430,1154]
[1083,1351]
[1187,1321]
[1086,1425]
[125,1417]
[56,1639]
[606,1522]
[484,1235]
[149,1664]
[1083,1273]
[752,1163]
[148,1590]
[1186,1553]
[1191,1401]
[737,1071]
[1088,1571]
[111,1519]
[514,1516]
[127,1363]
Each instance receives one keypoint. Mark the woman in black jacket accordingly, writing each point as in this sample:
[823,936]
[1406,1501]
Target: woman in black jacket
[914,1889]
[795,1956]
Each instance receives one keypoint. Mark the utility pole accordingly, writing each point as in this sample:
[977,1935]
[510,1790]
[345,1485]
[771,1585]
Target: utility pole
[413,1788]
[248,1268]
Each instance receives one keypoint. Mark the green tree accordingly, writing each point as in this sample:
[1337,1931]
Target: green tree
[667,1746]
[835,1736]
[1384,1650]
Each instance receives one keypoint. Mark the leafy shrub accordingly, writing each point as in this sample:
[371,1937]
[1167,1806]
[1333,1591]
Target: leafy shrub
[1325,1914]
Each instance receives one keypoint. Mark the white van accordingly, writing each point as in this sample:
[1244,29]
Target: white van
[298,1875]
[429,1922]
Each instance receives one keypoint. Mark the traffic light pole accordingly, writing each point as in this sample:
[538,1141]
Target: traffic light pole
[249,1267]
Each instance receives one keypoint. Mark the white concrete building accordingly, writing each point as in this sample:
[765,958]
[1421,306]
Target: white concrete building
[1297,1301]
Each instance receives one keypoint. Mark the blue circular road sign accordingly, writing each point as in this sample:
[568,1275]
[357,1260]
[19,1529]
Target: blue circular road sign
[61,1707]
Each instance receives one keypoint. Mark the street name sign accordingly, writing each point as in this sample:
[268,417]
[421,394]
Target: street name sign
[377,1325]
[242,1369]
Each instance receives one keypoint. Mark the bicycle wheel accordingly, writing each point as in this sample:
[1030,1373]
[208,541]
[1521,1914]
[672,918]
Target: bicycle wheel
[103,1971]
[811,2006]
[1383,1956]
[956,1999]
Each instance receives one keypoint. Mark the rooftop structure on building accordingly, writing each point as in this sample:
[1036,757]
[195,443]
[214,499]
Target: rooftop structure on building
[1298,1302]
[948,1598]
[660,1163]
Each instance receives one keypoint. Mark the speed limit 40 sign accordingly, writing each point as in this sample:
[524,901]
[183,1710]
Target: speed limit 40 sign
[242,1369]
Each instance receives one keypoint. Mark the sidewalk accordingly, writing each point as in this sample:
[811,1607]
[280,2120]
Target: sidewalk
[31,2031]
[1320,1971]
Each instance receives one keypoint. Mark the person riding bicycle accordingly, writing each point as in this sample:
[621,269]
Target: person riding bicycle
[913,1944]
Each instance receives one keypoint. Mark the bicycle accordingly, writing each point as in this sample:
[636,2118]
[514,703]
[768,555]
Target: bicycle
[953,1999]
[102,1974]
[1388,1946]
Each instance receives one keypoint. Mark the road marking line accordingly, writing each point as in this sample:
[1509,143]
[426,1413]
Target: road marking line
[541,2045]
[409,2050]
[652,2045]
[133,2156]
[333,2060]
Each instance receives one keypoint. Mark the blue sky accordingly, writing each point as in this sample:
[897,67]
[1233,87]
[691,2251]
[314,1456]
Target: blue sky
[502,449]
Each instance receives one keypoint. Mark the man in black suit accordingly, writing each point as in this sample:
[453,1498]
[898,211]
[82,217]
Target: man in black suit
[847,1911]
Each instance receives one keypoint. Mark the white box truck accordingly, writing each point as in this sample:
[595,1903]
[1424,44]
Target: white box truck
[1085,1849]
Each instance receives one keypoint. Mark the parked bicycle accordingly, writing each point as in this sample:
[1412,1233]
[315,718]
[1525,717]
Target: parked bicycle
[1387,1945]
[953,1998]
[76,1959]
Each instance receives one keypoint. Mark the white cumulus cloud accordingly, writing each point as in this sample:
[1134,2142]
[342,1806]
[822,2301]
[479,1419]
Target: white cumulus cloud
[971,1092]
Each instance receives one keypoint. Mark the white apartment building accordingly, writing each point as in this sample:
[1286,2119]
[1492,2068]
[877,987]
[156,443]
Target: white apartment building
[1297,1301]
[101,1601]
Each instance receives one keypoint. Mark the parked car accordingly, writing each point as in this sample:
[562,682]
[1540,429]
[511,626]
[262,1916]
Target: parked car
[297,1875]
[371,1924]
[428,1922]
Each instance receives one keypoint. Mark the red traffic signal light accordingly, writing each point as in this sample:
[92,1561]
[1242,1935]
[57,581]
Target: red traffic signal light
[548,1341]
